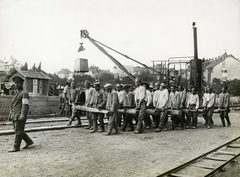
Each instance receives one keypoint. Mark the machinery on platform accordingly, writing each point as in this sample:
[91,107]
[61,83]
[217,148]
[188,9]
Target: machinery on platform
[195,63]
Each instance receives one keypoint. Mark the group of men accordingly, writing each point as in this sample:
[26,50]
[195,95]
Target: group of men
[164,101]
[140,98]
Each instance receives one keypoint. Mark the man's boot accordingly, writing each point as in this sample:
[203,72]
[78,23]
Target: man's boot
[94,126]
[28,141]
[223,122]
[17,143]
[101,125]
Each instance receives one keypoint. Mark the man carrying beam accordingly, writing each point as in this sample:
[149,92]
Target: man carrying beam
[140,101]
[88,94]
[162,104]
[112,106]
[98,100]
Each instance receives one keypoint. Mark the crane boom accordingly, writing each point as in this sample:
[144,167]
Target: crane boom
[85,34]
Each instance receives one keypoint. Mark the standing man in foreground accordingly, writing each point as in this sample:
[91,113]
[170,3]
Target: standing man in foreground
[98,100]
[88,95]
[224,103]
[140,101]
[18,115]
[112,106]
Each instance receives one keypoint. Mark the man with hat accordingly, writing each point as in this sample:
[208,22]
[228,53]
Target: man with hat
[74,98]
[18,115]
[155,100]
[66,92]
[98,100]
[88,95]
[127,101]
[174,104]
[162,104]
[147,120]
[120,97]
[140,101]
[112,106]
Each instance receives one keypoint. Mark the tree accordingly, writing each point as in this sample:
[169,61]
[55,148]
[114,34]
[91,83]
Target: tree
[34,67]
[145,76]
[234,87]
[39,67]
[25,67]
[106,78]
[127,80]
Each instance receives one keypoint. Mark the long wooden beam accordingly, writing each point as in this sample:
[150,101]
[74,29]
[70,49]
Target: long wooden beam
[134,111]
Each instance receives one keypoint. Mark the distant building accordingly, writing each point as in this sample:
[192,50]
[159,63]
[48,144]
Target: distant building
[12,63]
[36,83]
[64,73]
[2,65]
[224,67]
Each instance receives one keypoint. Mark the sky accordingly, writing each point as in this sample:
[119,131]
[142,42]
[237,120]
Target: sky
[48,31]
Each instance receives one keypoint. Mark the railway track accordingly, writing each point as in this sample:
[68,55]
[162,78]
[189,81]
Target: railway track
[208,164]
[52,124]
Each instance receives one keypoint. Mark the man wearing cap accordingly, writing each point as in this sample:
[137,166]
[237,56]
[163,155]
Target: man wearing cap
[112,105]
[208,106]
[88,95]
[74,98]
[18,115]
[174,103]
[162,104]
[66,92]
[98,100]
[182,102]
[120,97]
[127,101]
[155,100]
[147,120]
[224,103]
[192,106]
[140,101]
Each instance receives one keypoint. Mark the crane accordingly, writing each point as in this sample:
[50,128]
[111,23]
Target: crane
[85,34]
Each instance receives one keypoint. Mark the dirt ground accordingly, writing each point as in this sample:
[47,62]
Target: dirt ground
[76,152]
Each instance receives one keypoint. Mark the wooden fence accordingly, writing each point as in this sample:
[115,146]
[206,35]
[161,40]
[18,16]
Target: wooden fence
[38,105]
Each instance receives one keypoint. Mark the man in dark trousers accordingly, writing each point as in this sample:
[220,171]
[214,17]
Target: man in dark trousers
[18,115]
[140,101]
[74,98]
[224,103]
[98,100]
[128,100]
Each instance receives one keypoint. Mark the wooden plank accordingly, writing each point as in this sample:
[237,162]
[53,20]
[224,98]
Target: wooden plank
[233,146]
[226,153]
[178,175]
[216,159]
[201,166]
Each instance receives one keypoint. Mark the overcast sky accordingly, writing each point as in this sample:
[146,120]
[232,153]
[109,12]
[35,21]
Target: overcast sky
[48,31]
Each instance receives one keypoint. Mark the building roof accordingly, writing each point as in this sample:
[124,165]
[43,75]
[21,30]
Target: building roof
[212,64]
[31,74]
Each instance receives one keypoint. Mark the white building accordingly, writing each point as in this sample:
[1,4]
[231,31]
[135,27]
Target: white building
[225,67]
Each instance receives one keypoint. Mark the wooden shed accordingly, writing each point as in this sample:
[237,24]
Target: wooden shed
[36,83]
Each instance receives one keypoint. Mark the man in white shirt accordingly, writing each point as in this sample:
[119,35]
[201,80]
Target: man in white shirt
[88,95]
[182,96]
[66,92]
[174,104]
[147,120]
[120,98]
[140,101]
[208,105]
[155,100]
[162,105]
[192,106]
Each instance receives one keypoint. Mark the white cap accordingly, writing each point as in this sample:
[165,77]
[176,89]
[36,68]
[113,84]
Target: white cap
[107,85]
